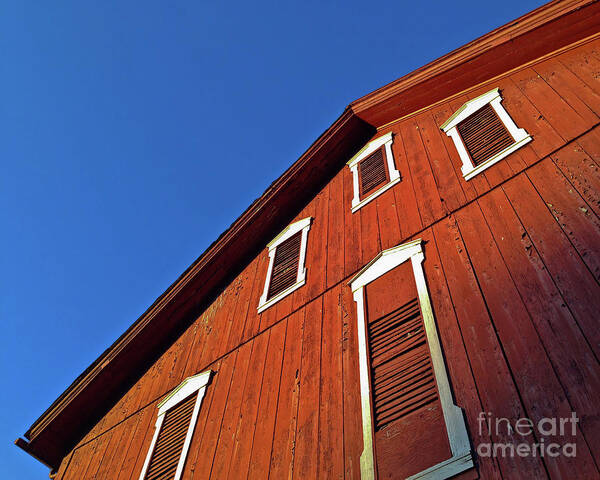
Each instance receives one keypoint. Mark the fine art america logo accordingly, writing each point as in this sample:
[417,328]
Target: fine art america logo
[548,437]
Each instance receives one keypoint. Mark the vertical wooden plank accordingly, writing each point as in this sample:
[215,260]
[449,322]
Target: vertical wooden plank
[370,240]
[200,466]
[305,460]
[139,451]
[407,208]
[101,446]
[240,458]
[335,230]
[353,440]
[542,394]
[584,65]
[243,306]
[590,142]
[301,296]
[387,217]
[74,464]
[216,386]
[582,172]
[572,212]
[181,356]
[575,92]
[526,115]
[284,437]
[160,383]
[566,121]
[451,192]
[204,337]
[252,325]
[115,453]
[102,424]
[571,356]
[230,321]
[116,433]
[426,191]
[352,234]
[573,279]
[331,405]
[231,416]
[216,331]
[267,409]
[192,363]
[269,316]
[493,378]
[457,361]
[316,249]
[138,441]
[64,466]
[81,459]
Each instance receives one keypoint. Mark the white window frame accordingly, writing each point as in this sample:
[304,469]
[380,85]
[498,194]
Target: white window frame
[194,385]
[450,127]
[303,226]
[461,459]
[394,175]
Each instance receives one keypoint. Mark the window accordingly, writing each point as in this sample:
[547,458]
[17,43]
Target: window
[373,171]
[483,133]
[286,272]
[177,415]
[411,426]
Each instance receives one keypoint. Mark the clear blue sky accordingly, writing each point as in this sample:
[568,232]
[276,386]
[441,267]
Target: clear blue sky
[119,123]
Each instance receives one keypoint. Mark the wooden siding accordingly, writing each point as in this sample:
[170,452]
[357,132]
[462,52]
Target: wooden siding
[512,261]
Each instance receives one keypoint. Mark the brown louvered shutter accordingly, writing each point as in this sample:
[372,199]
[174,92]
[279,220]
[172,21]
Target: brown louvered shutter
[171,438]
[372,171]
[484,134]
[285,265]
[409,430]
[401,370]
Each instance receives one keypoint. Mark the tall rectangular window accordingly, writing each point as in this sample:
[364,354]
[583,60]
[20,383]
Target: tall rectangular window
[285,265]
[411,427]
[171,438]
[286,271]
[175,423]
[373,170]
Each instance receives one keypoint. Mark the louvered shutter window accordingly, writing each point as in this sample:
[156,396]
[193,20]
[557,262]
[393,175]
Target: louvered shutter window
[401,370]
[171,438]
[484,134]
[285,265]
[373,172]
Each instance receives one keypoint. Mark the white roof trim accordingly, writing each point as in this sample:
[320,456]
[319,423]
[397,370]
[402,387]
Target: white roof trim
[289,231]
[185,389]
[381,264]
[469,108]
[369,148]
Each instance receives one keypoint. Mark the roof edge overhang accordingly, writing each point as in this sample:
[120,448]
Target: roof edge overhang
[542,31]
[538,33]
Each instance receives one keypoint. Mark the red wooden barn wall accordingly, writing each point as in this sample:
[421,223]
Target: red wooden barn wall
[512,263]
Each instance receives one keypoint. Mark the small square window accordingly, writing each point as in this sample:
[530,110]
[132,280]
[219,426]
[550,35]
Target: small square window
[286,272]
[373,171]
[483,133]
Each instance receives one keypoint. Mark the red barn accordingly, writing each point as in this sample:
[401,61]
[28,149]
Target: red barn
[417,296]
